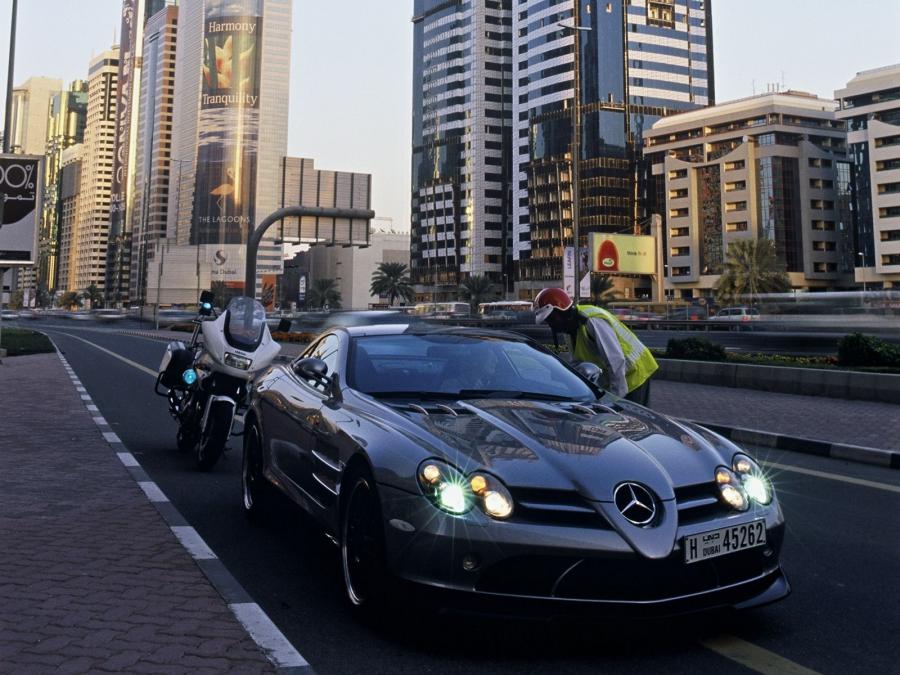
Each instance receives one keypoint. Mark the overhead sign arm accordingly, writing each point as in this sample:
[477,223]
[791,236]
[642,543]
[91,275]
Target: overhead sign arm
[291,212]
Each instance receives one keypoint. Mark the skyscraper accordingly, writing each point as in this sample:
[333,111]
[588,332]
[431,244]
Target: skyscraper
[462,124]
[639,60]
[91,235]
[871,105]
[152,166]
[230,122]
[30,114]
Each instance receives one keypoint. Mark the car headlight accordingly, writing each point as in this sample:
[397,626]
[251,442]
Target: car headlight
[754,481]
[452,492]
[235,361]
[731,490]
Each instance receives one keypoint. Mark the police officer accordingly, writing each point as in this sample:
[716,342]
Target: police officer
[599,337]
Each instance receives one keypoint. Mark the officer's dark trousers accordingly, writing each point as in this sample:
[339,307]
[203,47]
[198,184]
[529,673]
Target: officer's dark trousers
[641,395]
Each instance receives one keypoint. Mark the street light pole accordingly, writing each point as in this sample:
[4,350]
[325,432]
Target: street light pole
[576,29]
[7,127]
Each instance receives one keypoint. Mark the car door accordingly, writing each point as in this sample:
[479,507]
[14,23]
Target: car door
[293,429]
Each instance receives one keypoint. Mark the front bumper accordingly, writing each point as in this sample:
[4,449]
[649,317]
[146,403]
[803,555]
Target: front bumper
[572,568]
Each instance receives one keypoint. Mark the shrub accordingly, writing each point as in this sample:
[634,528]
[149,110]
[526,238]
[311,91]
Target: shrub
[301,338]
[695,349]
[867,351]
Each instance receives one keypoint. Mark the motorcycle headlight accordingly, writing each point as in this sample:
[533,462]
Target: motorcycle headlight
[753,480]
[452,492]
[731,490]
[235,361]
[189,376]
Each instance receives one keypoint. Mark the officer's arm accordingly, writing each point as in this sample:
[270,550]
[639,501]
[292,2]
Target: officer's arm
[607,341]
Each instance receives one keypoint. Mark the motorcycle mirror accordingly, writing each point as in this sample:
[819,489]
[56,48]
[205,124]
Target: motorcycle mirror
[312,369]
[590,371]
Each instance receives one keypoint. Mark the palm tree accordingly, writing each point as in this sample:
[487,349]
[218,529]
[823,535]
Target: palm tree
[70,299]
[323,293]
[477,289]
[93,295]
[603,290]
[392,279]
[751,267]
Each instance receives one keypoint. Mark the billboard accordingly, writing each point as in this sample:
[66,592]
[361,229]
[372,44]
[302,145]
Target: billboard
[622,253]
[224,193]
[584,288]
[20,201]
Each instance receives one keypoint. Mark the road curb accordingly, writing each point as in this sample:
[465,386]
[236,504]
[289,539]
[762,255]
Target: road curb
[276,648]
[809,446]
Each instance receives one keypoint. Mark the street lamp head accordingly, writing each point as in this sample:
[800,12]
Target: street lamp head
[566,26]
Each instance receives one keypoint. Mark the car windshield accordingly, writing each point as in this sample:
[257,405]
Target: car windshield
[245,322]
[459,366]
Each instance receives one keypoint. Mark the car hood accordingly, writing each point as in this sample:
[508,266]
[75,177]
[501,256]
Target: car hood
[590,448]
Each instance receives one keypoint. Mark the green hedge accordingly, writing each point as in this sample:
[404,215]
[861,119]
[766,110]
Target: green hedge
[18,342]
[695,349]
[866,351]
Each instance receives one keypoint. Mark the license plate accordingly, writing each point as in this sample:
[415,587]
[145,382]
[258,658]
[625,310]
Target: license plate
[727,540]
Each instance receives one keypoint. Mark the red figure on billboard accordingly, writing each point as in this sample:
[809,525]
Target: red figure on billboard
[608,257]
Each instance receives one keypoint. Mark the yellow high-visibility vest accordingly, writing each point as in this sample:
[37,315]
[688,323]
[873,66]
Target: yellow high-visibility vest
[639,361]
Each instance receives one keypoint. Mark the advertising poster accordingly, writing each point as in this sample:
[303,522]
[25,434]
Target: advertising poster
[584,288]
[224,202]
[301,291]
[20,189]
[624,254]
[267,296]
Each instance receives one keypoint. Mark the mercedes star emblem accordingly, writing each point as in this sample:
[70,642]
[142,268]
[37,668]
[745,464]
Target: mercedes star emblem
[636,503]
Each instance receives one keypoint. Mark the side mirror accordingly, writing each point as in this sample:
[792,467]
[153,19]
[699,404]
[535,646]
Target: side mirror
[590,371]
[312,369]
[334,390]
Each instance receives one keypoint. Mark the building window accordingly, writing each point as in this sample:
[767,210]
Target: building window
[736,227]
[735,166]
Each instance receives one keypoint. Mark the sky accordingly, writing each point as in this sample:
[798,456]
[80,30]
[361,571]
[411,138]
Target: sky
[352,66]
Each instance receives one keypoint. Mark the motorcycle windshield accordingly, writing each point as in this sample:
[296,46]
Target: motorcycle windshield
[245,323]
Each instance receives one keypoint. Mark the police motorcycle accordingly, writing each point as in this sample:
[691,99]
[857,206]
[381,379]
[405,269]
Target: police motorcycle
[207,381]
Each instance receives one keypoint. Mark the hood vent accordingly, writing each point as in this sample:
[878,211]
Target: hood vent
[430,409]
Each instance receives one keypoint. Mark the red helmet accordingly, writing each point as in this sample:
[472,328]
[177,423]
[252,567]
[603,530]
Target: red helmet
[548,300]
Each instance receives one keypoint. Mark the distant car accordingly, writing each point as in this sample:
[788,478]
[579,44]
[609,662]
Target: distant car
[9,315]
[692,313]
[108,315]
[741,314]
[475,461]
[375,317]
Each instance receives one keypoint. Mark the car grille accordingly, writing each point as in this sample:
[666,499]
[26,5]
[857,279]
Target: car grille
[625,579]
[699,503]
[556,507]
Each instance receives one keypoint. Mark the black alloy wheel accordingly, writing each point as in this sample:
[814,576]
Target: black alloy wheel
[254,487]
[362,546]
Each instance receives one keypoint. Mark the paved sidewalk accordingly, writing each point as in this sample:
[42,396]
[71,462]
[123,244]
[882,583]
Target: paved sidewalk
[91,577]
[875,425]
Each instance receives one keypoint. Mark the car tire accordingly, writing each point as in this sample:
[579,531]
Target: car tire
[214,436]
[366,579]
[256,493]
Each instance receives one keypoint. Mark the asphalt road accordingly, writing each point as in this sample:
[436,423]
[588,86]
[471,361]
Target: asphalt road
[799,342]
[842,553]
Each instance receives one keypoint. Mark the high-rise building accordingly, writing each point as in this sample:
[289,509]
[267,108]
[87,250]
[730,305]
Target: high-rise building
[230,122]
[153,168]
[30,114]
[639,60]
[871,105]
[462,124]
[67,117]
[91,235]
[69,192]
[772,166]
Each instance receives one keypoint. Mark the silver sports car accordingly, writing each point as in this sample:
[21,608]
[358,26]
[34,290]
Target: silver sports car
[477,462]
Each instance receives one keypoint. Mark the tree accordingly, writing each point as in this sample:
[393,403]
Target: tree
[477,289]
[70,300]
[323,293]
[392,279]
[93,295]
[603,290]
[15,299]
[751,267]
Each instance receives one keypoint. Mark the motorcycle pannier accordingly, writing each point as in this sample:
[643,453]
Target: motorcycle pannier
[176,360]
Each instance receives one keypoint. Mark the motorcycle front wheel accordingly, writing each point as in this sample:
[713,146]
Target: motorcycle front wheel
[214,436]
